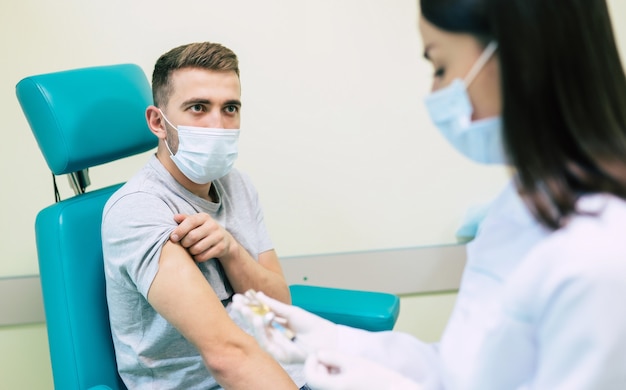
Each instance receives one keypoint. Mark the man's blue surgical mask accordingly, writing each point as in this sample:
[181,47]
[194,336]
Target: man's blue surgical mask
[204,154]
[451,111]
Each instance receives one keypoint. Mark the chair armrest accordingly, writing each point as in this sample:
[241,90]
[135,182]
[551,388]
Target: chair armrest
[373,311]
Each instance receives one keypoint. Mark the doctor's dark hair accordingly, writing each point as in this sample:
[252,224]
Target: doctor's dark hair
[203,55]
[563,91]
[459,16]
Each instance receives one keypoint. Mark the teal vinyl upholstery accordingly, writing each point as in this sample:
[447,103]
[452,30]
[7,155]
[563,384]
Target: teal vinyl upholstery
[374,311]
[82,118]
[72,281]
[86,117]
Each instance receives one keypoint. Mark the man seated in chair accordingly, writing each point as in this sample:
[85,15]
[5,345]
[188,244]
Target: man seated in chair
[186,233]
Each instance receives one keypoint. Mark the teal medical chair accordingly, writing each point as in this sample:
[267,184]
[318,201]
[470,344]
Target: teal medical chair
[86,117]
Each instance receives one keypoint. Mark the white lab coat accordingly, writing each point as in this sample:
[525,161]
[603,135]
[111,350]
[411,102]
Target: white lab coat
[535,309]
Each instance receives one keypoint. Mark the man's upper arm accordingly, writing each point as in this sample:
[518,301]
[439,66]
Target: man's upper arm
[182,295]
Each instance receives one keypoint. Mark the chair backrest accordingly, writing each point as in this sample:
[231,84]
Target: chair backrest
[82,118]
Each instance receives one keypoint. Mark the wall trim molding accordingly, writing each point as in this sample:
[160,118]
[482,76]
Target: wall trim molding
[418,270]
[20,300]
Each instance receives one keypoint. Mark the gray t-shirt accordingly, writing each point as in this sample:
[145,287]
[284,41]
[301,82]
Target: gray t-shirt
[137,221]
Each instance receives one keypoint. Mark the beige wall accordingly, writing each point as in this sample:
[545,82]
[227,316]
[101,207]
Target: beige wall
[334,132]
[24,358]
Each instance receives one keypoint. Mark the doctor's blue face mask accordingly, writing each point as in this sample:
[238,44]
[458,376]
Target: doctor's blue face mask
[451,111]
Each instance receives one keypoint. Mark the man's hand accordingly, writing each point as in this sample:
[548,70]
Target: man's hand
[203,238]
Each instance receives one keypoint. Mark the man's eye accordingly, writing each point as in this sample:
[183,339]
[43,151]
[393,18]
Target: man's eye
[196,108]
[231,109]
[439,72]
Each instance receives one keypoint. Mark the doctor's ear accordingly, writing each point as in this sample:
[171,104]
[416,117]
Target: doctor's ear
[156,122]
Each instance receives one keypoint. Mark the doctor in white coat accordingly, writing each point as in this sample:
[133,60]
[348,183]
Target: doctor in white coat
[537,85]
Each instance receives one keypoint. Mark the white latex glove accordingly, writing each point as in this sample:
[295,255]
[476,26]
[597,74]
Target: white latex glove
[332,370]
[311,331]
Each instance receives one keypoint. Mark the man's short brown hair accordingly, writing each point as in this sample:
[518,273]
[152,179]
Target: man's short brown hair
[204,55]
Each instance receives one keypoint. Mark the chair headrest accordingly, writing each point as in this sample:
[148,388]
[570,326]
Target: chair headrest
[90,116]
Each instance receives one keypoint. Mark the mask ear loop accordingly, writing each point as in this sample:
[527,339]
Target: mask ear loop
[174,127]
[480,62]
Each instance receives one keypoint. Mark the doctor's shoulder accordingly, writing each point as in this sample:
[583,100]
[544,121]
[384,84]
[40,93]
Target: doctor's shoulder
[588,253]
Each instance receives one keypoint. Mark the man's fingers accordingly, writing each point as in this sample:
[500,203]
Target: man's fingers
[208,254]
[201,236]
[186,225]
[180,217]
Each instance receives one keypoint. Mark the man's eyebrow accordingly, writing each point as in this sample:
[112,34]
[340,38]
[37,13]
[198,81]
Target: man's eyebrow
[233,102]
[193,101]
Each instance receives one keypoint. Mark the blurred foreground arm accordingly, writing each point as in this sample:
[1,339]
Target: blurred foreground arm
[333,370]
[399,352]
